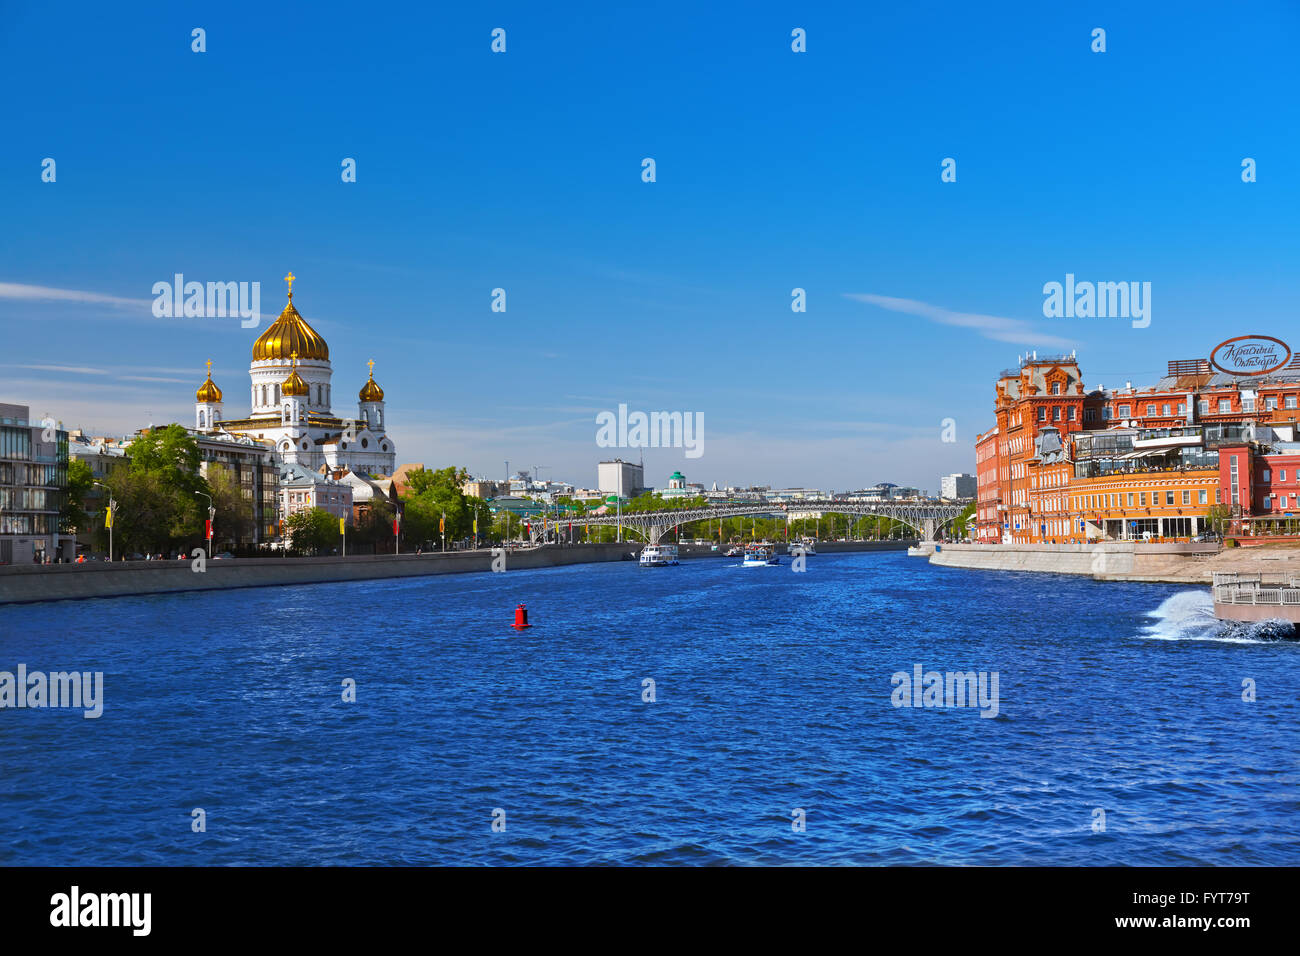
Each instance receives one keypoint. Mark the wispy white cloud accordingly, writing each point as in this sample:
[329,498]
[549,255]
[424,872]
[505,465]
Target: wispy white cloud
[74,369]
[37,293]
[996,327]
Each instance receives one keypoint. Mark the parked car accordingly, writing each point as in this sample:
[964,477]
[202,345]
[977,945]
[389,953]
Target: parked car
[223,556]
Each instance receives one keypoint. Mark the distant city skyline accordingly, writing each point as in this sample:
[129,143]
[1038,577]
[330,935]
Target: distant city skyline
[522,171]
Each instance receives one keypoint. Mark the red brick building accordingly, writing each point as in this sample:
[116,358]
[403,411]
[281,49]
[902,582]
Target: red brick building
[988,521]
[1163,458]
[1041,393]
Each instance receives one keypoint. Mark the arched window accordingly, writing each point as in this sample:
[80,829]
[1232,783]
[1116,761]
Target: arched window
[202,419]
[286,412]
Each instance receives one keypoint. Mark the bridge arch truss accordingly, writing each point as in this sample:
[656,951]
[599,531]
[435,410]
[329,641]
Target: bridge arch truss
[927,518]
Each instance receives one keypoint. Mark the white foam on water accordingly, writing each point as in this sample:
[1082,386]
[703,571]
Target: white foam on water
[1189,616]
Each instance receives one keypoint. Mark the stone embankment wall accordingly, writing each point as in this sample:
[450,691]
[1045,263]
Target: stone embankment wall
[1118,560]
[20,583]
[24,583]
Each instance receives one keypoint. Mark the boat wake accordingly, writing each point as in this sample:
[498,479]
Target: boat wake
[1189,616]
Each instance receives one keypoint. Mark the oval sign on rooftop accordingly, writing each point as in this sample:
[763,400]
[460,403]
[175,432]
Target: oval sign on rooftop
[1250,355]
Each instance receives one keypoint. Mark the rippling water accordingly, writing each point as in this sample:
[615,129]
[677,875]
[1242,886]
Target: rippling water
[773,693]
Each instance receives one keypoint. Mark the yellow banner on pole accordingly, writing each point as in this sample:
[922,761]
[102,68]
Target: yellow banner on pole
[108,517]
[342,528]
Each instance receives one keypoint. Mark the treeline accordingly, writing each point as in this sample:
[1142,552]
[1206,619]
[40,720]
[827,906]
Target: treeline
[159,493]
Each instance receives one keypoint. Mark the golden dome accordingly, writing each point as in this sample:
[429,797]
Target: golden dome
[293,385]
[288,334]
[371,392]
[208,391]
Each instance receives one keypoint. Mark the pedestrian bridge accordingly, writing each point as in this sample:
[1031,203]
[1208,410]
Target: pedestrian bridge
[926,517]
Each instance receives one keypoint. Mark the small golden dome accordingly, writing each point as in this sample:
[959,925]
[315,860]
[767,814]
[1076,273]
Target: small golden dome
[288,334]
[293,385]
[371,392]
[208,391]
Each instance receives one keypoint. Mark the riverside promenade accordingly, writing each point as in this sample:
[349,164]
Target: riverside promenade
[1175,563]
[26,583]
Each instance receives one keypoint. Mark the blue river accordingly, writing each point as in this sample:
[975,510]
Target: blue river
[1120,737]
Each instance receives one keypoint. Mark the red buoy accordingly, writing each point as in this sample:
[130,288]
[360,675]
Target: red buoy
[521,618]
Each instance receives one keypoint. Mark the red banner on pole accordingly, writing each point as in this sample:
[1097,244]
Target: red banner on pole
[208,529]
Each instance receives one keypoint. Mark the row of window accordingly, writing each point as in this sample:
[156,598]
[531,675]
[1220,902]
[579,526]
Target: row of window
[49,475]
[270,395]
[28,499]
[28,524]
[1056,413]
[15,442]
[1101,502]
[1224,406]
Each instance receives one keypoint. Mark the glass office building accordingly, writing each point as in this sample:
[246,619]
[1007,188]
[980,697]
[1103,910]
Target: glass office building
[33,485]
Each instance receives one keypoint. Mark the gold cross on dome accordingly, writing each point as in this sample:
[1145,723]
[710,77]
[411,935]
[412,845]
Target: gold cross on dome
[294,357]
[371,363]
[209,368]
[289,279]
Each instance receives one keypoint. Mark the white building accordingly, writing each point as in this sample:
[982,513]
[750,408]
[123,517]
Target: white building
[291,409]
[619,477]
[957,486]
[301,489]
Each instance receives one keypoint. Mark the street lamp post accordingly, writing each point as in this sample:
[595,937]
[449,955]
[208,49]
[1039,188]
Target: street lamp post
[112,507]
[212,516]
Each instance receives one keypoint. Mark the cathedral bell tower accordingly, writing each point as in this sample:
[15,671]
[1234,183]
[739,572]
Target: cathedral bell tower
[370,403]
[293,412]
[207,404]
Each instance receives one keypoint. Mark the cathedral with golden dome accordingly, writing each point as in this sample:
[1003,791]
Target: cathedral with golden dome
[290,404]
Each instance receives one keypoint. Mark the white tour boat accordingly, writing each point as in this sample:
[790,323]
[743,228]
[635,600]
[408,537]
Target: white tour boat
[658,555]
[759,555]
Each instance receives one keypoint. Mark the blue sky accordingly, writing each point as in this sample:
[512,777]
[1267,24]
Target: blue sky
[522,170]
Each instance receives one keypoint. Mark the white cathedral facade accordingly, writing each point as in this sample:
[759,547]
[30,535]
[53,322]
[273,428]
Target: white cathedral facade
[290,402]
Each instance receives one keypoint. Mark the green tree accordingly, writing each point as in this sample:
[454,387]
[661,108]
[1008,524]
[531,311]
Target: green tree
[146,514]
[158,508]
[234,521]
[312,530]
[958,526]
[373,528]
[432,496]
[72,516]
[1218,518]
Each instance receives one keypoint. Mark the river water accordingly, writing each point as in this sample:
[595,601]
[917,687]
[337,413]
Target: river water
[772,694]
